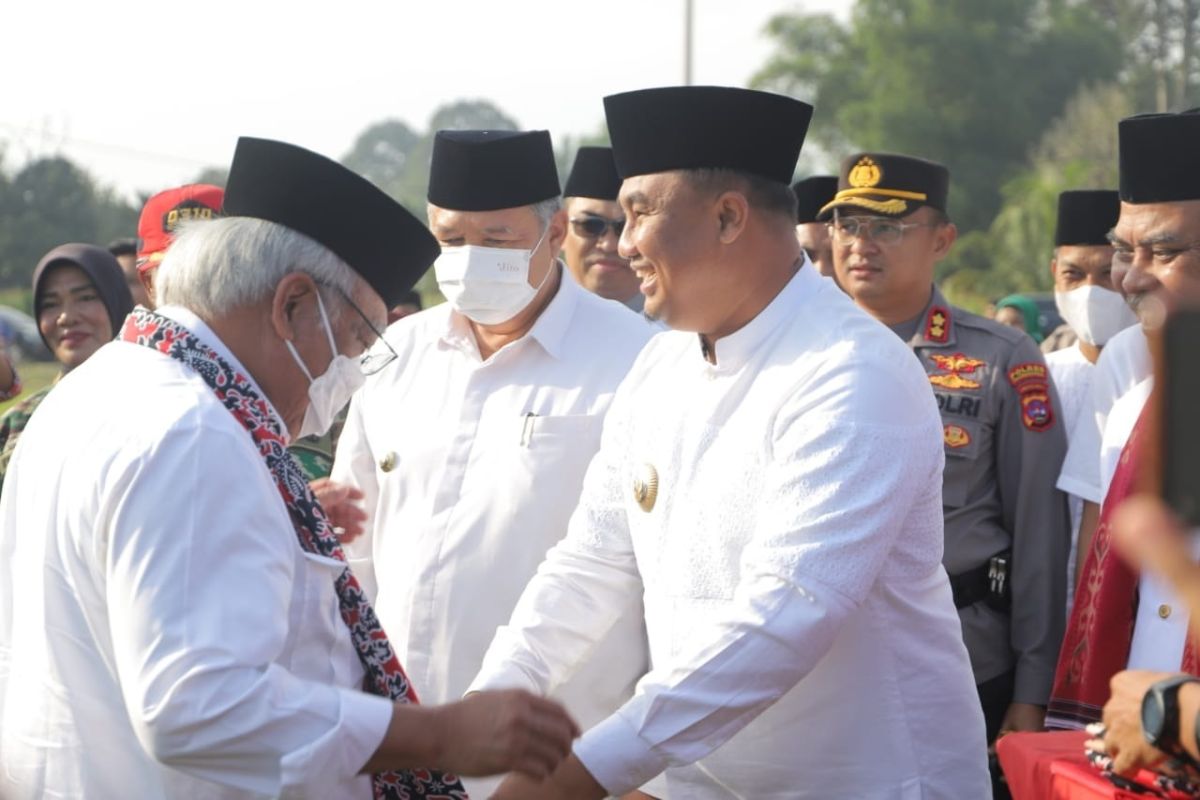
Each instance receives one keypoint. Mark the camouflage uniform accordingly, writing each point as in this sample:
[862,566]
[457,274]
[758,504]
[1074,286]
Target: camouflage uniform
[11,425]
[315,453]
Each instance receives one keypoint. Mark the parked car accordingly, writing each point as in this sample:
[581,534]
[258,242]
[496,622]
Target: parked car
[21,333]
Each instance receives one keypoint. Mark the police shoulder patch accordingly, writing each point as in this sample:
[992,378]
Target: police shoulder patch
[1033,387]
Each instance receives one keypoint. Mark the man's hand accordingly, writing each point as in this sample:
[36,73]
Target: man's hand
[1123,737]
[507,731]
[1023,717]
[340,502]
[571,781]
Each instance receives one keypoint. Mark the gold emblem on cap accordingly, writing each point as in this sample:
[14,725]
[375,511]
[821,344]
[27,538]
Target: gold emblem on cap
[645,486]
[865,174]
[388,462]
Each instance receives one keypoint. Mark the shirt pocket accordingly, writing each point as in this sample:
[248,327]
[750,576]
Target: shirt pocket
[963,441]
[319,626]
[545,456]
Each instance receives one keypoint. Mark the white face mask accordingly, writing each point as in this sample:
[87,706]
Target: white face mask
[488,285]
[1094,313]
[329,392]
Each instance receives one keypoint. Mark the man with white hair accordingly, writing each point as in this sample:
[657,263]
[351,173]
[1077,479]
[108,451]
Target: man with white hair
[176,615]
[470,449]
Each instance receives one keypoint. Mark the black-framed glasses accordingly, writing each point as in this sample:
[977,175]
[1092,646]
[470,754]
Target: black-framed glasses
[378,355]
[876,229]
[593,226]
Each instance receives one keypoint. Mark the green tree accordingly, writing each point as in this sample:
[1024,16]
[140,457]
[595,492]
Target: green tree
[969,83]
[381,153]
[51,201]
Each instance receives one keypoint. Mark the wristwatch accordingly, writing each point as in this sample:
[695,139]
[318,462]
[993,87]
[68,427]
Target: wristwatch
[1160,714]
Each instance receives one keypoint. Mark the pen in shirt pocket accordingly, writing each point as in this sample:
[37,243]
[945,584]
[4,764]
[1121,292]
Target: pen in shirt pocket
[527,429]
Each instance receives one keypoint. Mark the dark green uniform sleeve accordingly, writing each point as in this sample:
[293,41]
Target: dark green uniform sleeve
[1030,446]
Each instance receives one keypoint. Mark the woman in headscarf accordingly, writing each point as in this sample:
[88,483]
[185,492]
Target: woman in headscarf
[1019,312]
[80,299]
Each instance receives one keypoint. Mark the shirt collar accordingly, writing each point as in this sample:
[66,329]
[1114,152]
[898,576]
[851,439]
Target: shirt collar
[188,319]
[734,350]
[549,329]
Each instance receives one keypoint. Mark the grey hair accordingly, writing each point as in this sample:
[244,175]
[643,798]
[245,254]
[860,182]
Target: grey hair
[544,210]
[215,266]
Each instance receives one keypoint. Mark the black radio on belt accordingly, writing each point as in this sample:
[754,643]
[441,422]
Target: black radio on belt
[987,583]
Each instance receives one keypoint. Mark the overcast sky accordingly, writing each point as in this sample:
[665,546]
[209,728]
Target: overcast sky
[145,94]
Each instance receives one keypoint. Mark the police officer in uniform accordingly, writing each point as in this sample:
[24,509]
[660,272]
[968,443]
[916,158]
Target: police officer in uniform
[1006,525]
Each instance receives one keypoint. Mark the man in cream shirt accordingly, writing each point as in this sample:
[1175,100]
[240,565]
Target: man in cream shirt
[770,489]
[470,449]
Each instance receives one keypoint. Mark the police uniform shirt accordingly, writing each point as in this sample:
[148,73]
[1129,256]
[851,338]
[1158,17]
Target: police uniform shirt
[803,638]
[1004,443]
[470,470]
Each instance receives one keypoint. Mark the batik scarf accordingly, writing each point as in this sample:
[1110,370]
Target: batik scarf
[384,674]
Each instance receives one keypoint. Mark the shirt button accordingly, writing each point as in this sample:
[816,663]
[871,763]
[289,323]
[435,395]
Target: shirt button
[1164,611]
[388,462]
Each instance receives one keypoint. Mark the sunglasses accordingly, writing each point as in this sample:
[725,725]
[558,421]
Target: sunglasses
[594,227]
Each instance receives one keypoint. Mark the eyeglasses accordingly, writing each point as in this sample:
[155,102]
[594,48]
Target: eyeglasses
[380,354]
[593,227]
[875,229]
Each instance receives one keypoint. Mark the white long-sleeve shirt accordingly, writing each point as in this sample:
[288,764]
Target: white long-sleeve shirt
[162,633]
[803,639]
[471,469]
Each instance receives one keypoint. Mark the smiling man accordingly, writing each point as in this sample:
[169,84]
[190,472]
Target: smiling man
[747,496]
[1006,524]
[596,221]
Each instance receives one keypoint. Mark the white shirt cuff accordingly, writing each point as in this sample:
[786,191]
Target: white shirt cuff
[507,677]
[616,756]
[1072,485]
[366,720]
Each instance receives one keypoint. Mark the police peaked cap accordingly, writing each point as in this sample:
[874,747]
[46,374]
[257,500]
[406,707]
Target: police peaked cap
[490,170]
[593,175]
[1160,157]
[347,214]
[812,194]
[706,127]
[1086,216]
[889,184]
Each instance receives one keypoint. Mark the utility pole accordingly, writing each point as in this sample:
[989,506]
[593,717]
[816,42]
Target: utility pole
[687,42]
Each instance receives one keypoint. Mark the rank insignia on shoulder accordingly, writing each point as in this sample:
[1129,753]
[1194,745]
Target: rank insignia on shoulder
[955,436]
[937,325]
[1033,386]
[645,487]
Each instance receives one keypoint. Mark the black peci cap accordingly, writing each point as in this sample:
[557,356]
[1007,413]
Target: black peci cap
[594,175]
[490,170]
[889,184]
[1086,216]
[318,197]
[706,127]
[812,194]
[1160,157]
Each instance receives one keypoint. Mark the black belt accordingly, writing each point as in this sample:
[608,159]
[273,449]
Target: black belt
[987,583]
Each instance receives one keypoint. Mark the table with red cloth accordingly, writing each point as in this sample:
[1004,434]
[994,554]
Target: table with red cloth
[1053,766]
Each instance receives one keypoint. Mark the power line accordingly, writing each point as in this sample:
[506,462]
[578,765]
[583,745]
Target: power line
[61,138]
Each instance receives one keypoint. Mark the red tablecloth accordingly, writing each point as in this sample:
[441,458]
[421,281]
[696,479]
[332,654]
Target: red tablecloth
[1052,766]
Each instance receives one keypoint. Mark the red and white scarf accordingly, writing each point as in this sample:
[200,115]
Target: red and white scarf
[384,674]
[1100,631]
